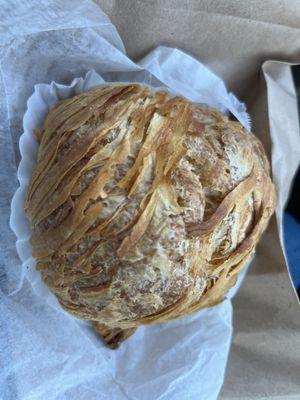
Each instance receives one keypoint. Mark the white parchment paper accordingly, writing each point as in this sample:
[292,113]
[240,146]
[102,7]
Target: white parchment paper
[47,353]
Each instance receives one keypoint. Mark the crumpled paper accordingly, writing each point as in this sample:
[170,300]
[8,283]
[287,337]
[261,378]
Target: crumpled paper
[47,353]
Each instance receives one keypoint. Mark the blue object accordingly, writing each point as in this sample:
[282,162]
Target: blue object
[291,226]
[292,245]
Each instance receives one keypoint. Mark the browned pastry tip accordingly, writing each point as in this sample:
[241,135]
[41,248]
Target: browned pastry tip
[113,337]
[144,207]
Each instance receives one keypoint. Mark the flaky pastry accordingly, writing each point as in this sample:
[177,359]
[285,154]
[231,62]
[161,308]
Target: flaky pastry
[144,207]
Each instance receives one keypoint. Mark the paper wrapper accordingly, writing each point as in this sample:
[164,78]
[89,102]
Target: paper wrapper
[47,353]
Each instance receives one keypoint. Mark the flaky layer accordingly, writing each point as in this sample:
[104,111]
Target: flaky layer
[144,207]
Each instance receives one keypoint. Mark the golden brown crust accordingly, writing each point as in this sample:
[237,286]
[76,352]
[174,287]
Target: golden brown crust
[144,207]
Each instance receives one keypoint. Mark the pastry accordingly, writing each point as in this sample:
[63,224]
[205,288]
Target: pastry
[144,207]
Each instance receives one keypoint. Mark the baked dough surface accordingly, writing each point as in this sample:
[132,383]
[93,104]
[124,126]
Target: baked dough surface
[144,207]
